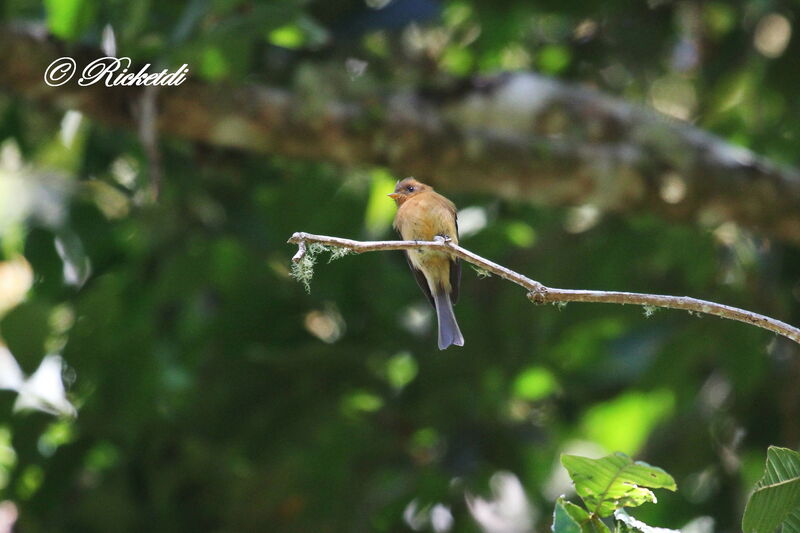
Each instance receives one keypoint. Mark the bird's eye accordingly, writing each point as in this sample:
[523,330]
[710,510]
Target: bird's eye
[410,188]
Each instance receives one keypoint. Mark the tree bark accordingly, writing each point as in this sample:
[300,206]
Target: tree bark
[518,136]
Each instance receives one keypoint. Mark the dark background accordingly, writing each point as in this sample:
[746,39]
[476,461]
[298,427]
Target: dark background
[215,394]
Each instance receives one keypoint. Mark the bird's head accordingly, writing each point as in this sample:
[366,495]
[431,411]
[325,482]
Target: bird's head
[406,189]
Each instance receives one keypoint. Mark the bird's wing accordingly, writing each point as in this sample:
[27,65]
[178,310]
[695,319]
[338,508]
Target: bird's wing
[455,279]
[421,281]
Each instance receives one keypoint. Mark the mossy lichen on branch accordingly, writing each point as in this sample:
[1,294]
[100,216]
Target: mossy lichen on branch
[303,269]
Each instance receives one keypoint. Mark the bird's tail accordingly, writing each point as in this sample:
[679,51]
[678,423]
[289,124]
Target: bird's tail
[448,327]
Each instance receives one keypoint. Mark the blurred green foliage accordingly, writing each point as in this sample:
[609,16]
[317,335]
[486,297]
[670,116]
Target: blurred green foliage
[214,394]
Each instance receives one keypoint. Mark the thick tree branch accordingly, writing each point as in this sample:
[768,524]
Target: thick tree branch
[541,294]
[519,136]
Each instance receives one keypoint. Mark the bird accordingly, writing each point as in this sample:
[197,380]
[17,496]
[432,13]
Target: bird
[423,215]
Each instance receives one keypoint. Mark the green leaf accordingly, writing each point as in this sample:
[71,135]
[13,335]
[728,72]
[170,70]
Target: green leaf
[624,423]
[615,481]
[534,383]
[68,18]
[554,58]
[457,60]
[776,499]
[401,370]
[792,522]
[563,519]
[571,518]
[380,209]
[520,234]
[213,64]
[289,36]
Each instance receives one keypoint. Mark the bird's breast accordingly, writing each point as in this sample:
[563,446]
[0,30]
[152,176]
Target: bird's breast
[423,218]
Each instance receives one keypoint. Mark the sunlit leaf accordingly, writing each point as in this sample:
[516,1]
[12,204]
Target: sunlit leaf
[615,481]
[521,234]
[380,208]
[289,36]
[720,18]
[67,18]
[625,422]
[457,60]
[553,59]
[29,481]
[60,432]
[401,370]
[534,383]
[360,401]
[214,64]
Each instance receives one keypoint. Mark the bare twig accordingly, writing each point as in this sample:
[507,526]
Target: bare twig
[541,294]
[301,251]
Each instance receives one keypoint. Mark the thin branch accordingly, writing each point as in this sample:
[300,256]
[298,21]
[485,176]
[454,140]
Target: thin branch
[301,251]
[541,294]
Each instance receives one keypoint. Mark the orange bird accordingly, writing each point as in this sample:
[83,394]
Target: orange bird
[423,214]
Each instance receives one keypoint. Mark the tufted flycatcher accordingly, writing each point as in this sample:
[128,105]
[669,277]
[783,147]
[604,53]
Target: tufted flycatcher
[422,215]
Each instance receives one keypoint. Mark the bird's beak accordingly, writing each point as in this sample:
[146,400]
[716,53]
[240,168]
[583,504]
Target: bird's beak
[393,196]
